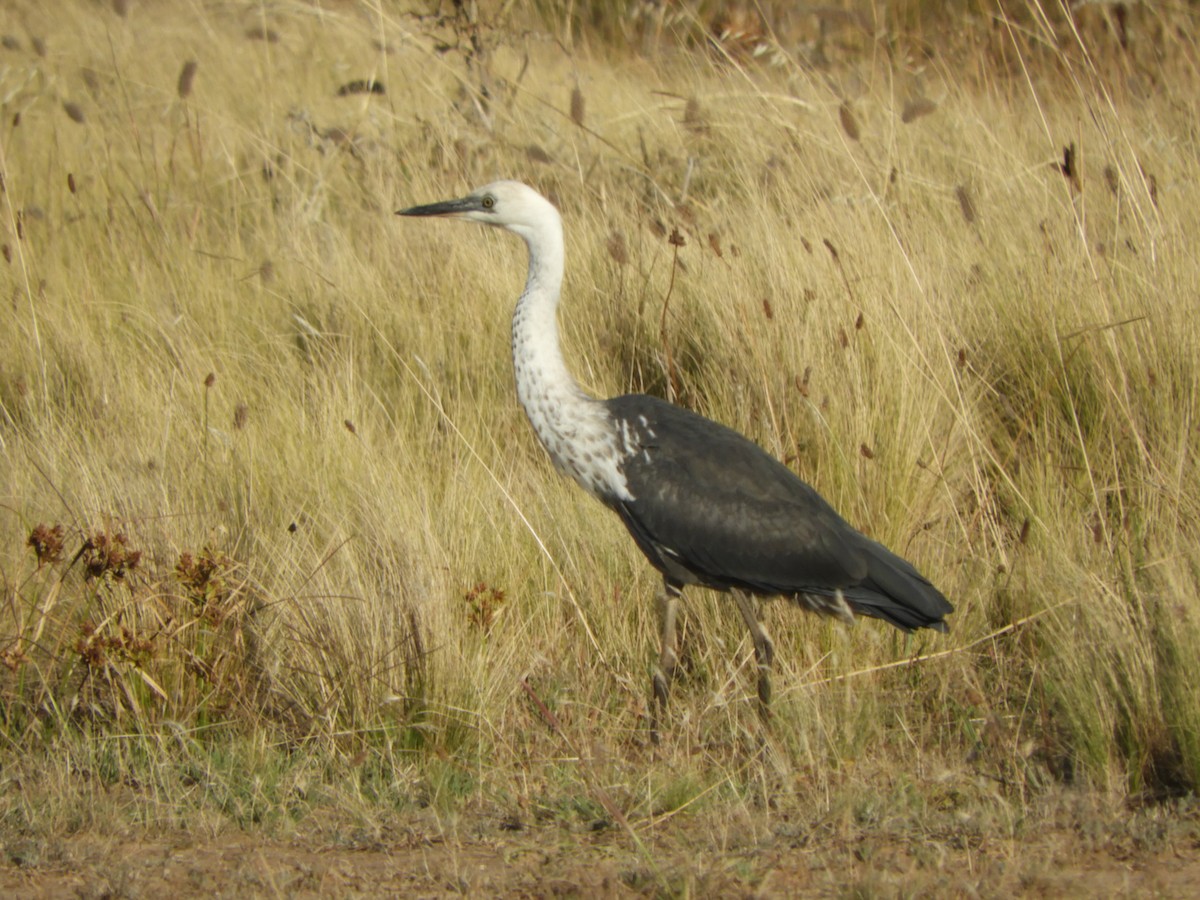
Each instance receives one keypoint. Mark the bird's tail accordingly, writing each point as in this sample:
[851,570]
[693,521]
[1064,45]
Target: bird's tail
[897,593]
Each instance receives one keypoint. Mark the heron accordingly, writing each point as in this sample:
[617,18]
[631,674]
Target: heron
[705,505]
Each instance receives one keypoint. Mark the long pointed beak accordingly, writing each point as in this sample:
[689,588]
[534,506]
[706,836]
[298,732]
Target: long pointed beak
[445,208]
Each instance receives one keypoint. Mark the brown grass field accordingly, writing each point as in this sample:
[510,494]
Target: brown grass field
[291,601]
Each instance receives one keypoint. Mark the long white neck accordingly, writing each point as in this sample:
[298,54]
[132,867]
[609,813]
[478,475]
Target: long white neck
[573,426]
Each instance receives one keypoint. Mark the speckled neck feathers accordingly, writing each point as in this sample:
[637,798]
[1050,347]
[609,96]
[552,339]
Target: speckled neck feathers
[574,427]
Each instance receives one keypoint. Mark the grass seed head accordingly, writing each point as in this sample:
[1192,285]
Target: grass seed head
[187,75]
[965,204]
[578,106]
[1151,185]
[1112,179]
[917,108]
[538,155]
[484,605]
[109,554]
[361,86]
[205,580]
[47,544]
[1069,167]
[617,248]
[802,382]
[262,33]
[849,121]
[13,658]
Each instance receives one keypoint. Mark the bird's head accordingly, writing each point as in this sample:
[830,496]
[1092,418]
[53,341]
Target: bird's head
[505,204]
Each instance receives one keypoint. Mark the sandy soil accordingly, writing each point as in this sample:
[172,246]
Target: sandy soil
[532,863]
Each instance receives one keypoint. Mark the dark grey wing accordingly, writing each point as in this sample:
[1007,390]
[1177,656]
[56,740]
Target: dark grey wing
[725,508]
[710,506]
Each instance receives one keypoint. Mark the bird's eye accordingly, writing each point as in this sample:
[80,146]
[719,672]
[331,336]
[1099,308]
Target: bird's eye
[488,201]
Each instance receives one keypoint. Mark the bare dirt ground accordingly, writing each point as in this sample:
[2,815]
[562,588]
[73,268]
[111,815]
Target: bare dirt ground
[533,863]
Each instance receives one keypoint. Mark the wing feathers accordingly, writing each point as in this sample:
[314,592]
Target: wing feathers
[731,515]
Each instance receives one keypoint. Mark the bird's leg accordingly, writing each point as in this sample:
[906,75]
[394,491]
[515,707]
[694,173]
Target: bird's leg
[764,649]
[668,605]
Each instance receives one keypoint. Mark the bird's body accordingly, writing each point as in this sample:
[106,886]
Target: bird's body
[709,507]
[705,505]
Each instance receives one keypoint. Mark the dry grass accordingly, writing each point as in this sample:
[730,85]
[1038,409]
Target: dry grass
[360,583]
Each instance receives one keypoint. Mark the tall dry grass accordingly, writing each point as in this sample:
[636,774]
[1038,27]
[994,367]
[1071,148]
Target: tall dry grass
[308,549]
